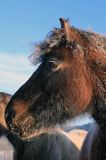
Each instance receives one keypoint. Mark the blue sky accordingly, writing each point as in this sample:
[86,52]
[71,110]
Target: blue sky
[23,22]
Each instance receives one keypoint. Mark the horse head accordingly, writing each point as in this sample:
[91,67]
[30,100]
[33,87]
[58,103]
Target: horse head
[70,77]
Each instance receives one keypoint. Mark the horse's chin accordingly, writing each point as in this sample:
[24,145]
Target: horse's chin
[26,133]
[37,133]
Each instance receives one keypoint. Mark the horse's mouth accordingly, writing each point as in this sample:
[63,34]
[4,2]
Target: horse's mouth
[22,126]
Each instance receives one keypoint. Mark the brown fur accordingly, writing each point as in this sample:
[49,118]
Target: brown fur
[55,94]
[83,61]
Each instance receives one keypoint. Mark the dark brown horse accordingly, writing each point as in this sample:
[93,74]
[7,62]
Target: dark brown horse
[71,79]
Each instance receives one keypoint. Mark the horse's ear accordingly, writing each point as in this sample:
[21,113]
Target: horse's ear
[68,30]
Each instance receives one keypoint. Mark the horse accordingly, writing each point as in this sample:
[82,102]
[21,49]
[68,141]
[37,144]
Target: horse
[70,79]
[4,99]
[44,145]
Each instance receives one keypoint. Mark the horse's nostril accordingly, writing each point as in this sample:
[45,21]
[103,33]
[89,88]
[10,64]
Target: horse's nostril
[9,115]
[8,120]
[6,116]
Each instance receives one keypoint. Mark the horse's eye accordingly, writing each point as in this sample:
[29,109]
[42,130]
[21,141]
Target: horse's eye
[53,63]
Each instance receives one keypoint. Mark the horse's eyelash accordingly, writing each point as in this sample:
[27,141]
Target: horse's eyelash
[55,61]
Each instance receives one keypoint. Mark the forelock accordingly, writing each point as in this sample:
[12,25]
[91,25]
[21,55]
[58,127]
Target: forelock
[53,40]
[57,38]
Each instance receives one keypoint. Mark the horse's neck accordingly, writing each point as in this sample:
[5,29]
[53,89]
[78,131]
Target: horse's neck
[99,112]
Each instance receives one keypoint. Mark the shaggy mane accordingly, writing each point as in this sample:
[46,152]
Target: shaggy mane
[57,37]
